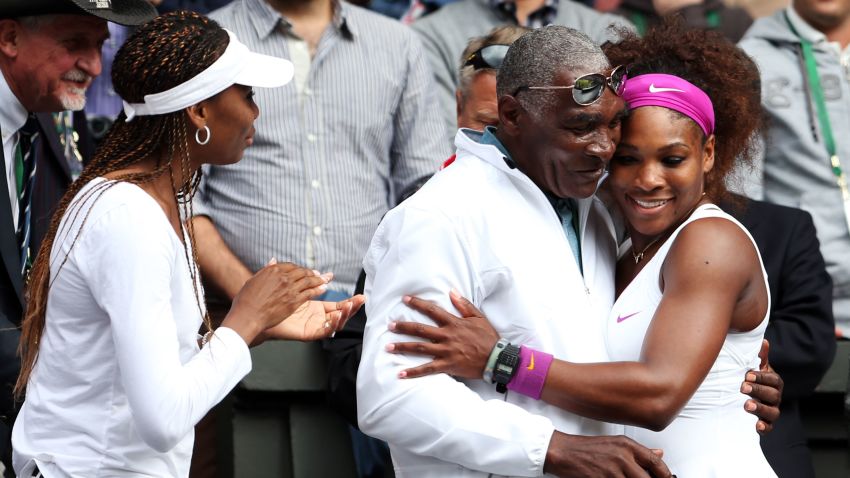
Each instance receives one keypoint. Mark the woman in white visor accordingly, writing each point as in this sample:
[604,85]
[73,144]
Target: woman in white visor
[115,372]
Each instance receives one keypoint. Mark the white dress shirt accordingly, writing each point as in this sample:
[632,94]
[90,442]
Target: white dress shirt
[13,115]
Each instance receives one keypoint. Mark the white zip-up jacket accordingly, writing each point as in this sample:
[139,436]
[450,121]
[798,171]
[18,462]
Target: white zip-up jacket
[490,232]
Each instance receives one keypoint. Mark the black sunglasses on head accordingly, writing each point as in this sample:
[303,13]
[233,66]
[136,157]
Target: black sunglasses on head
[588,89]
[490,56]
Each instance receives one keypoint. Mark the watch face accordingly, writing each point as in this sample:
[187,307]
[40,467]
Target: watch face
[510,362]
[506,366]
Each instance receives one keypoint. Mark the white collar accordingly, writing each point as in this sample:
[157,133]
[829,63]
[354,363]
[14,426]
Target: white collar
[466,142]
[13,115]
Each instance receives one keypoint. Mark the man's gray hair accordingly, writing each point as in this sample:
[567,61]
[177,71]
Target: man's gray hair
[536,57]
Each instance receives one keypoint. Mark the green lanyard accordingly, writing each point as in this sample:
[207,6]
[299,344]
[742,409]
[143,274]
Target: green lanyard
[823,118]
[712,20]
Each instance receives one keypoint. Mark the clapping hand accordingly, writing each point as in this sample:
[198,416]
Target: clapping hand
[314,320]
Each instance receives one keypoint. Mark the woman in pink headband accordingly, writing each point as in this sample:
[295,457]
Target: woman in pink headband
[692,298]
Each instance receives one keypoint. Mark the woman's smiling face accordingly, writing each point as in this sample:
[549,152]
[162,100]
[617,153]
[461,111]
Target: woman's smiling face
[657,175]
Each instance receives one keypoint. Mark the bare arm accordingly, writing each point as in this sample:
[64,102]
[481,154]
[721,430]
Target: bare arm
[702,287]
[682,342]
[218,263]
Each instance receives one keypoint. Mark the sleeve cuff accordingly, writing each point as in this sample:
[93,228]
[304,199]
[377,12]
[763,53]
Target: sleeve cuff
[229,352]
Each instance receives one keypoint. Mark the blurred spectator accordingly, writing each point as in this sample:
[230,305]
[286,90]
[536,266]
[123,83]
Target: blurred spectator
[802,52]
[404,10]
[476,91]
[801,326]
[102,103]
[714,14]
[320,175]
[803,57]
[447,31]
[759,8]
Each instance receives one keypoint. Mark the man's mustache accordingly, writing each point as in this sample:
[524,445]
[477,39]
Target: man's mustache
[77,75]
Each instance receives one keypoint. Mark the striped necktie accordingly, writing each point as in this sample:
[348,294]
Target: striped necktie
[25,176]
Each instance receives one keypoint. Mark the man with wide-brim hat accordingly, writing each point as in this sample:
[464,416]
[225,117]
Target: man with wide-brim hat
[50,50]
[123,12]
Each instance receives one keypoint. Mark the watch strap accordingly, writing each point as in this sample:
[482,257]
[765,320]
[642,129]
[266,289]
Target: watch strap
[491,361]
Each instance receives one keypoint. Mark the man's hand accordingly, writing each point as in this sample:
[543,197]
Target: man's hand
[765,388]
[574,456]
[313,320]
[460,346]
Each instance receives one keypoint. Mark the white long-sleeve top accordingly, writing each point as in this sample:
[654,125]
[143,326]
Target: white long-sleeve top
[490,232]
[120,381]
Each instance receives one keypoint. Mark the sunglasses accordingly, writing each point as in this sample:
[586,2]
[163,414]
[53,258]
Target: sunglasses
[588,89]
[490,56]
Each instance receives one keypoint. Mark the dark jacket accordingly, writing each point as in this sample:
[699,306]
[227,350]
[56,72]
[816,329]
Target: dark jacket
[52,179]
[344,351]
[801,330]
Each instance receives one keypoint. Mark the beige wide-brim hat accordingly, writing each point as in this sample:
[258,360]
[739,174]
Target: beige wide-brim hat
[123,12]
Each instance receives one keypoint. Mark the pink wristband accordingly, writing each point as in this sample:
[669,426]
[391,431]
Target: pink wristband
[533,367]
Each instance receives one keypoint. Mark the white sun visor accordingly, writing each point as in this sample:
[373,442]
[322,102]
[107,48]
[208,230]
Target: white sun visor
[237,65]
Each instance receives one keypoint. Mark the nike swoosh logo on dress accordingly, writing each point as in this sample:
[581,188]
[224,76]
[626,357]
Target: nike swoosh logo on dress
[621,318]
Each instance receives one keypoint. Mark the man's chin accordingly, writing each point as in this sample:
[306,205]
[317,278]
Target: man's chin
[73,102]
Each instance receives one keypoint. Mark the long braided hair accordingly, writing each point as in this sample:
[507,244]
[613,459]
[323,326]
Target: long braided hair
[159,55]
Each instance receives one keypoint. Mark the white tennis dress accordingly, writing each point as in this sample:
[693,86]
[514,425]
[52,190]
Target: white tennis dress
[713,436]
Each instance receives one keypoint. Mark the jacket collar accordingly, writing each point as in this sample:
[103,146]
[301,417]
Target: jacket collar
[805,30]
[467,143]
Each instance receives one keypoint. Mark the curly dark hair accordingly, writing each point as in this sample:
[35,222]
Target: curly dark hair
[718,67]
[159,55]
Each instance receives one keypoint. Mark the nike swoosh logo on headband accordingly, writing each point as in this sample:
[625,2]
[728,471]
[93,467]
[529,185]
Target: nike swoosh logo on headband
[621,318]
[654,89]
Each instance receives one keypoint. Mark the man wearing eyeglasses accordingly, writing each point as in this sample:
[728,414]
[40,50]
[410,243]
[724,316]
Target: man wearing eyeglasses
[446,32]
[476,91]
[486,226]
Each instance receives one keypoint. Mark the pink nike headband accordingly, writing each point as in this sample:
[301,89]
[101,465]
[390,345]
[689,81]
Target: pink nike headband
[671,92]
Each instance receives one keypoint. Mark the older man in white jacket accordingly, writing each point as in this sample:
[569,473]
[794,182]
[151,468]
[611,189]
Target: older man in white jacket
[497,227]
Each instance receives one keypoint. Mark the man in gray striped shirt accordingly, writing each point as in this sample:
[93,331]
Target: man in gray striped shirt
[332,149]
